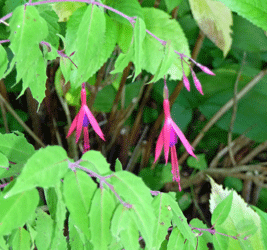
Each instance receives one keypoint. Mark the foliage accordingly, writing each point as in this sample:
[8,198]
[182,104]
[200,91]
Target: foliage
[56,199]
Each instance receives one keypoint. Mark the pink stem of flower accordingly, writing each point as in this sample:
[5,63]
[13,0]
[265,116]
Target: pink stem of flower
[175,167]
[86,139]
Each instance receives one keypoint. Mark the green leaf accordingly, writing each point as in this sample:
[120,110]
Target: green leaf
[44,169]
[3,244]
[222,210]
[251,113]
[203,239]
[215,20]
[3,61]
[89,42]
[123,228]
[118,166]
[133,190]
[51,18]
[255,10]
[160,24]
[177,241]
[171,4]
[21,240]
[181,222]
[45,230]
[243,222]
[200,163]
[96,162]
[15,147]
[163,215]
[104,99]
[139,36]
[166,62]
[58,211]
[30,64]
[100,214]
[3,164]
[16,210]
[232,182]
[78,190]
[65,9]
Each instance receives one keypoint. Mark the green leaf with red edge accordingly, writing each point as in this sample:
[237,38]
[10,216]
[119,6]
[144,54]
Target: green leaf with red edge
[78,190]
[30,64]
[102,208]
[16,210]
[253,10]
[44,169]
[215,20]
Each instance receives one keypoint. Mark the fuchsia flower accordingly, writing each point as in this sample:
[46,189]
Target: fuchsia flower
[168,139]
[82,120]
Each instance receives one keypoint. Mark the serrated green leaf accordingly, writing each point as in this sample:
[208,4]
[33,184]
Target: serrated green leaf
[129,187]
[222,210]
[51,18]
[95,161]
[254,10]
[242,222]
[104,99]
[44,169]
[177,241]
[215,20]
[30,64]
[166,62]
[3,244]
[89,42]
[100,214]
[78,190]
[123,228]
[15,147]
[181,222]
[45,230]
[139,36]
[163,215]
[58,213]
[21,240]
[160,24]
[16,210]
[3,61]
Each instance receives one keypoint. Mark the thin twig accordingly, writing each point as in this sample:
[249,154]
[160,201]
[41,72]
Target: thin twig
[231,127]
[22,123]
[223,110]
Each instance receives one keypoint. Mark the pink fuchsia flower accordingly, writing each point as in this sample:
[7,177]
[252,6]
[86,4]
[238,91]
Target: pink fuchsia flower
[168,139]
[82,120]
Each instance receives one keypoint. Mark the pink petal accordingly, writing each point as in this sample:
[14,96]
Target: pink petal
[159,146]
[86,139]
[205,69]
[197,83]
[185,142]
[175,167]
[93,122]
[79,124]
[186,82]
[166,139]
[73,125]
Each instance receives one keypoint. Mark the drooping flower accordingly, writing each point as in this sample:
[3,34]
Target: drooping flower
[82,120]
[168,139]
